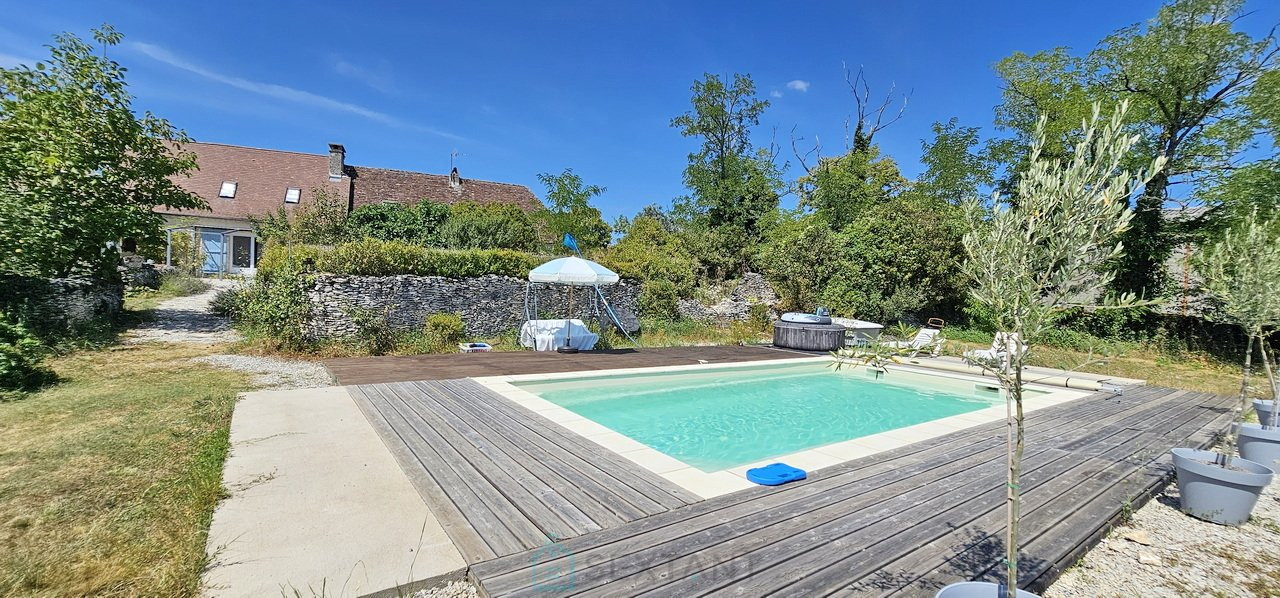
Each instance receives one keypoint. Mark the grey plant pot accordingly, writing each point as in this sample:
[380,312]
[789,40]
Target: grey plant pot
[1259,445]
[1263,408]
[979,589]
[1215,493]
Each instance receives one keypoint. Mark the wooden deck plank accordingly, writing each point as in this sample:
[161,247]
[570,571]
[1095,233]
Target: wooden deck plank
[501,525]
[885,466]
[1041,487]
[953,555]
[374,370]
[502,480]
[424,475]
[755,541]
[587,494]
[545,509]
[807,561]
[666,494]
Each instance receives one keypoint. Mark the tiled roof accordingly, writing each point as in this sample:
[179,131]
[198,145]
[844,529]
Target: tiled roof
[262,176]
[374,185]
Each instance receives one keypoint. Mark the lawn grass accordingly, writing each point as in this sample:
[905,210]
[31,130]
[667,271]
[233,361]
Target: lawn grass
[108,480]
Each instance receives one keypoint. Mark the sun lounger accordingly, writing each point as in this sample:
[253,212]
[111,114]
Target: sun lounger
[925,341]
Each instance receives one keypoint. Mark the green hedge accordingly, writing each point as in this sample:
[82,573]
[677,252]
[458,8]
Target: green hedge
[373,257]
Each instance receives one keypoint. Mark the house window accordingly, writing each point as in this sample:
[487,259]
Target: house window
[228,189]
[292,194]
[241,252]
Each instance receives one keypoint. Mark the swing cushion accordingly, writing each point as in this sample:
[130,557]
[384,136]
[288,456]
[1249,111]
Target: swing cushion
[546,335]
[775,474]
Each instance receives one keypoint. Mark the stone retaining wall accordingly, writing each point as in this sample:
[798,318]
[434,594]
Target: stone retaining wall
[489,305]
[58,305]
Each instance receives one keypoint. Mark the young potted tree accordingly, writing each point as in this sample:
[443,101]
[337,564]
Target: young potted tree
[1037,255]
[1242,273]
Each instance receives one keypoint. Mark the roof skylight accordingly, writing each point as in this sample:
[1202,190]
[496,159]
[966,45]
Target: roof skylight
[228,189]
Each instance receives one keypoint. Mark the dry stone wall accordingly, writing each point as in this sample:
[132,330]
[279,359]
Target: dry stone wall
[58,305]
[489,305]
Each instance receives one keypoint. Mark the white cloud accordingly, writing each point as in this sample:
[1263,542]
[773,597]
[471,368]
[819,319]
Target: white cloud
[378,78]
[280,92]
[775,94]
[799,85]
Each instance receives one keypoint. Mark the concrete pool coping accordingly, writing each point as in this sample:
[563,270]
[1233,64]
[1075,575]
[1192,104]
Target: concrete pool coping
[716,483]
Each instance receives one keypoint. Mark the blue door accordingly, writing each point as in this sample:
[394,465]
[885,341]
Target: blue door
[215,251]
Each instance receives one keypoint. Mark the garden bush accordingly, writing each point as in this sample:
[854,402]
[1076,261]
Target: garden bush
[372,257]
[226,303]
[489,226]
[178,283]
[276,307]
[420,223]
[21,360]
[443,331]
[373,328]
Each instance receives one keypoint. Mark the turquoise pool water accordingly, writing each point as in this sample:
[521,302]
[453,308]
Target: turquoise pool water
[721,418]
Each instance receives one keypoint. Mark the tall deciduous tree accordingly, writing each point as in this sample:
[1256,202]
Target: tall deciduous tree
[733,183]
[78,169]
[1032,260]
[569,210]
[1185,72]
[955,167]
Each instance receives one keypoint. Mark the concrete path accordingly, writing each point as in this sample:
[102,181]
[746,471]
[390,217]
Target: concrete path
[318,505]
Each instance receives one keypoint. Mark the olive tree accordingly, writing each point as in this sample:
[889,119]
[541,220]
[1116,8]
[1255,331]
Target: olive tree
[1031,260]
[1242,272]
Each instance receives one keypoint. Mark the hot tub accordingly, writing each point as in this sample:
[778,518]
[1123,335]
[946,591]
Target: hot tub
[808,337]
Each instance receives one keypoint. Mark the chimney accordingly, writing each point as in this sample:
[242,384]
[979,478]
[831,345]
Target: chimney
[337,161]
[455,181]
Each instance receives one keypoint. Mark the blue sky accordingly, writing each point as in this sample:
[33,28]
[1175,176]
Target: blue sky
[519,88]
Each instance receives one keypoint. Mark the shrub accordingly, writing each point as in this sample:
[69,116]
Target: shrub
[372,257]
[758,316]
[180,284]
[276,307]
[226,303]
[21,357]
[489,226]
[443,331]
[373,328]
[420,223]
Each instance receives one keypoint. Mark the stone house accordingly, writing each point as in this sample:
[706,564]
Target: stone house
[242,182]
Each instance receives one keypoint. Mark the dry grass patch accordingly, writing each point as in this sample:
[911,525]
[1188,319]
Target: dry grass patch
[108,480]
[1187,370]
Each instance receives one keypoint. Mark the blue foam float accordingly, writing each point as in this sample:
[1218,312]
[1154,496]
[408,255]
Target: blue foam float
[775,474]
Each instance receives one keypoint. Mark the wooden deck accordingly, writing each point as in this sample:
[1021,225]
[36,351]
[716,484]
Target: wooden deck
[373,370]
[502,479]
[904,522]
[540,511]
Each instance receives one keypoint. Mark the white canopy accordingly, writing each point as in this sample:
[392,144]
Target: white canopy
[573,271]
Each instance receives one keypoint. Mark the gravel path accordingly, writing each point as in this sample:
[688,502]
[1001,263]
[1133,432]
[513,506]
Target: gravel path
[1163,552]
[455,589]
[188,320]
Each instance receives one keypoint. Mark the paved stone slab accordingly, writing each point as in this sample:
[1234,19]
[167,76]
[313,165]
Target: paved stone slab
[317,504]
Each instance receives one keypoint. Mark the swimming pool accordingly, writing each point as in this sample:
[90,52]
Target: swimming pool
[715,419]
